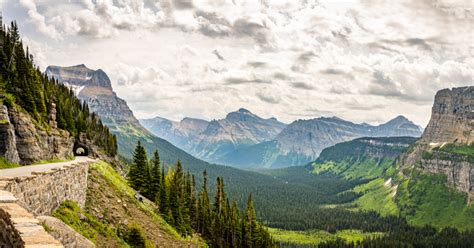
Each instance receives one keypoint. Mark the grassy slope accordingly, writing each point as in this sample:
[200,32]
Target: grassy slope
[376,196]
[111,207]
[422,198]
[315,237]
[426,199]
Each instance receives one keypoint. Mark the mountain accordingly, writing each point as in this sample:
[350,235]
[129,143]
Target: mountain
[433,181]
[303,140]
[94,87]
[211,141]
[182,134]
[447,144]
[366,158]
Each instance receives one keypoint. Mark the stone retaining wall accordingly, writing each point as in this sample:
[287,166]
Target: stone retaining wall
[42,193]
[19,228]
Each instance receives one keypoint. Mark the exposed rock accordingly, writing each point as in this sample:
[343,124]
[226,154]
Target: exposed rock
[182,134]
[94,87]
[8,148]
[24,142]
[35,144]
[452,122]
[79,75]
[452,117]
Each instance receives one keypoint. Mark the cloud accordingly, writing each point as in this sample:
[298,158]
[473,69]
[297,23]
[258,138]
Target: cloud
[281,76]
[256,64]
[383,85]
[234,80]
[39,20]
[269,98]
[163,54]
[183,4]
[218,55]
[302,85]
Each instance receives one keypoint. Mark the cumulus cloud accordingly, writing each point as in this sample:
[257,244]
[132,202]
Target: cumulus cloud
[39,20]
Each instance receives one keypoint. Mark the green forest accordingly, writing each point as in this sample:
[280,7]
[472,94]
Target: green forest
[219,222]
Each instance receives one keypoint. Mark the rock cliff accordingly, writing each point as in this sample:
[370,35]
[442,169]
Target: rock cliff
[446,145]
[94,87]
[24,142]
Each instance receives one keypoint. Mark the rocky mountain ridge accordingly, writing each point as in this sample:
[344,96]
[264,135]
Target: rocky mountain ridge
[446,145]
[94,88]
[215,139]
[243,139]
[303,140]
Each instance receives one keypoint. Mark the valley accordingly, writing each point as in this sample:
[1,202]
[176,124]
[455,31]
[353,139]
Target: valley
[78,168]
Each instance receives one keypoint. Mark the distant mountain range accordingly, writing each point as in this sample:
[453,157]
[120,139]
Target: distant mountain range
[244,140]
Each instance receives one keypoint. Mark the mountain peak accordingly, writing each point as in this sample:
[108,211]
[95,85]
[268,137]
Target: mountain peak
[244,111]
[400,118]
[79,75]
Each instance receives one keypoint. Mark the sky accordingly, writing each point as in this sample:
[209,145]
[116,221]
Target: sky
[364,61]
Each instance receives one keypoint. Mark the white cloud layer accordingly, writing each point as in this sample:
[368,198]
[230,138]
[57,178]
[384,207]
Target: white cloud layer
[360,60]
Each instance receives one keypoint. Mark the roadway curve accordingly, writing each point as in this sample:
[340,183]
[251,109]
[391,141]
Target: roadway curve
[28,169]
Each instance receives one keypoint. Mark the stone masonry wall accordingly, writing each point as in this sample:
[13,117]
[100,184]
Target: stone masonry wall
[42,193]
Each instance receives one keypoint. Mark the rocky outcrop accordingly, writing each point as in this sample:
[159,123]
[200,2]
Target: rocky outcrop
[452,117]
[451,125]
[94,88]
[25,142]
[8,148]
[79,75]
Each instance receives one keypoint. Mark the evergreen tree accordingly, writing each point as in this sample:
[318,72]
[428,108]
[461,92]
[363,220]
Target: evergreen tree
[139,175]
[155,177]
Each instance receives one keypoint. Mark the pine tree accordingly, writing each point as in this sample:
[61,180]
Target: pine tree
[139,174]
[251,228]
[155,177]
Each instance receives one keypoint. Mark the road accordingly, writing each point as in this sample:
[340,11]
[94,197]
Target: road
[27,170]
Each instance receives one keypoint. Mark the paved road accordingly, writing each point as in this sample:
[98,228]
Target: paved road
[27,170]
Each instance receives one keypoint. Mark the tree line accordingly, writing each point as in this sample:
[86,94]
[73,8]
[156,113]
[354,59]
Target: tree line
[219,222]
[24,86]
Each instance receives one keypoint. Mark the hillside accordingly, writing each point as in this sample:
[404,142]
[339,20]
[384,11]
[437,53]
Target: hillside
[112,212]
[431,182]
[367,158]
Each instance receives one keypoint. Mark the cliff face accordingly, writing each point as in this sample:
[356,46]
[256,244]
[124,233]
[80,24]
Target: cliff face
[447,145]
[452,117]
[23,142]
[94,87]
